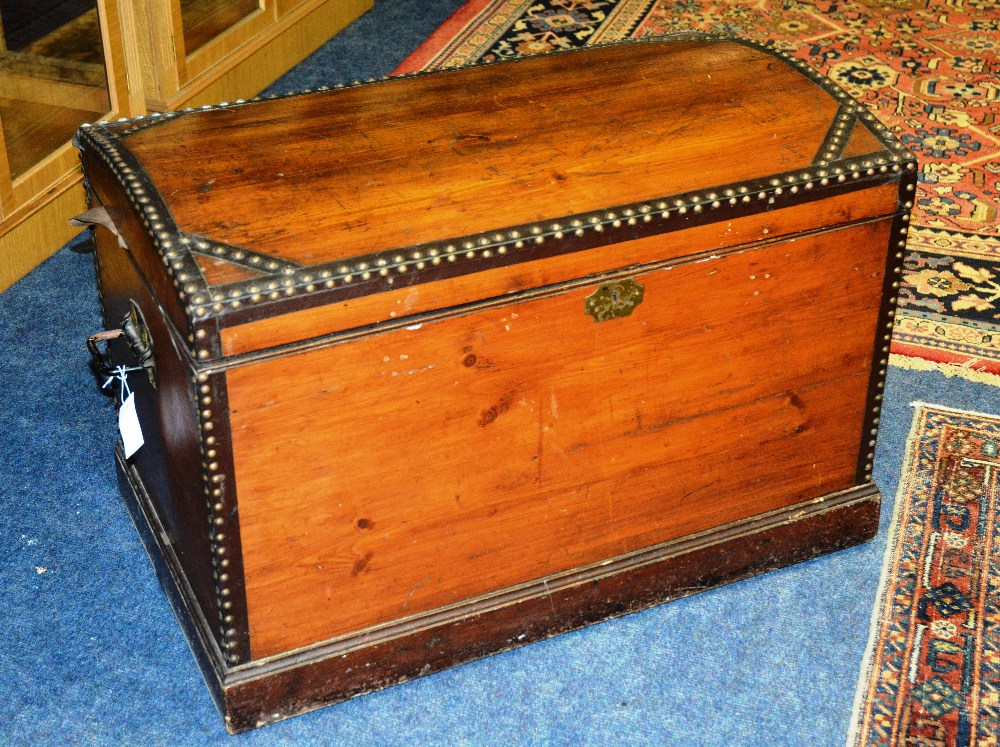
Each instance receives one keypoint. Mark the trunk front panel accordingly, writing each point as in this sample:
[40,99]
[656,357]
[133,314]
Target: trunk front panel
[390,474]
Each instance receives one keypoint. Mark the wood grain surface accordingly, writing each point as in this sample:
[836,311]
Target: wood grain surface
[363,311]
[331,176]
[399,472]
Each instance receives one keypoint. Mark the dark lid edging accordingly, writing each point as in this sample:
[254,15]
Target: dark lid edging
[289,287]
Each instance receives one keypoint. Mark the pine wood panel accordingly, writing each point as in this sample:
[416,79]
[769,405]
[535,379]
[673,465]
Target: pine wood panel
[161,65]
[205,20]
[37,230]
[324,319]
[284,6]
[35,130]
[55,93]
[244,61]
[860,143]
[332,176]
[404,471]
[6,181]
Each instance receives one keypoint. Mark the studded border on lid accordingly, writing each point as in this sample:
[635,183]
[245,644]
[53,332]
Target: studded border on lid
[283,286]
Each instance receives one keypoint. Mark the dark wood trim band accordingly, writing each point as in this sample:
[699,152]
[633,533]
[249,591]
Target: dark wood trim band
[886,318]
[221,507]
[832,147]
[168,569]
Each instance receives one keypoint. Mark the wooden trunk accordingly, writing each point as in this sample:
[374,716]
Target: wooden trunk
[448,363]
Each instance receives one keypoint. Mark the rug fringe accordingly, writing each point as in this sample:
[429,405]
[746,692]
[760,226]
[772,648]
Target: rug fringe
[948,369]
[919,406]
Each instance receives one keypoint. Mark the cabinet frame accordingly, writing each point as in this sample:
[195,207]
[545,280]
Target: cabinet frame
[148,69]
[29,232]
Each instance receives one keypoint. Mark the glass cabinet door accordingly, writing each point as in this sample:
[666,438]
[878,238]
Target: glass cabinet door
[204,20]
[52,77]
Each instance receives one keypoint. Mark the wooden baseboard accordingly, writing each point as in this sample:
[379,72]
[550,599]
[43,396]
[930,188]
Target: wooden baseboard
[258,693]
[35,232]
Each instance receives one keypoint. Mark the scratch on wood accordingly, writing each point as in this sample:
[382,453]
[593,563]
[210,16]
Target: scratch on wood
[548,595]
[414,590]
[541,445]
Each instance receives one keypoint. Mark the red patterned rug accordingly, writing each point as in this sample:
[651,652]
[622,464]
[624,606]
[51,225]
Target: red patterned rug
[932,672]
[930,69]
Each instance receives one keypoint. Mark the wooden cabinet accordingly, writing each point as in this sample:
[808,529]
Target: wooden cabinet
[213,50]
[65,62]
[61,64]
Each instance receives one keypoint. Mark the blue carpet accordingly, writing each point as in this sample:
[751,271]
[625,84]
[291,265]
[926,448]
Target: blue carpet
[91,653]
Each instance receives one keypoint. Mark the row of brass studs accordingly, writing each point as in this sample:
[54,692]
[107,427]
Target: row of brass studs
[190,283]
[214,487]
[836,140]
[390,265]
[146,200]
[172,247]
[897,246]
[263,263]
[191,286]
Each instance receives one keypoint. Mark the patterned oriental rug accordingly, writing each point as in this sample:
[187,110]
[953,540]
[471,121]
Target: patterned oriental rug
[932,670]
[930,69]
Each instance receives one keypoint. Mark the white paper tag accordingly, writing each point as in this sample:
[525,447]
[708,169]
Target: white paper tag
[128,424]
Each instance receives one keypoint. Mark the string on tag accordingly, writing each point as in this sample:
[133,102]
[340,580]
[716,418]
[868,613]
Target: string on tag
[128,419]
[120,374]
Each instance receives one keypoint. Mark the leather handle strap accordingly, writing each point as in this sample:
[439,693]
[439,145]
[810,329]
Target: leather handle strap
[101,357]
[98,216]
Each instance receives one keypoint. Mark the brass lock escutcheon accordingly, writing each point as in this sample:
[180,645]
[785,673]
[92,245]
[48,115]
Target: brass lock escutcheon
[134,331]
[614,300]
